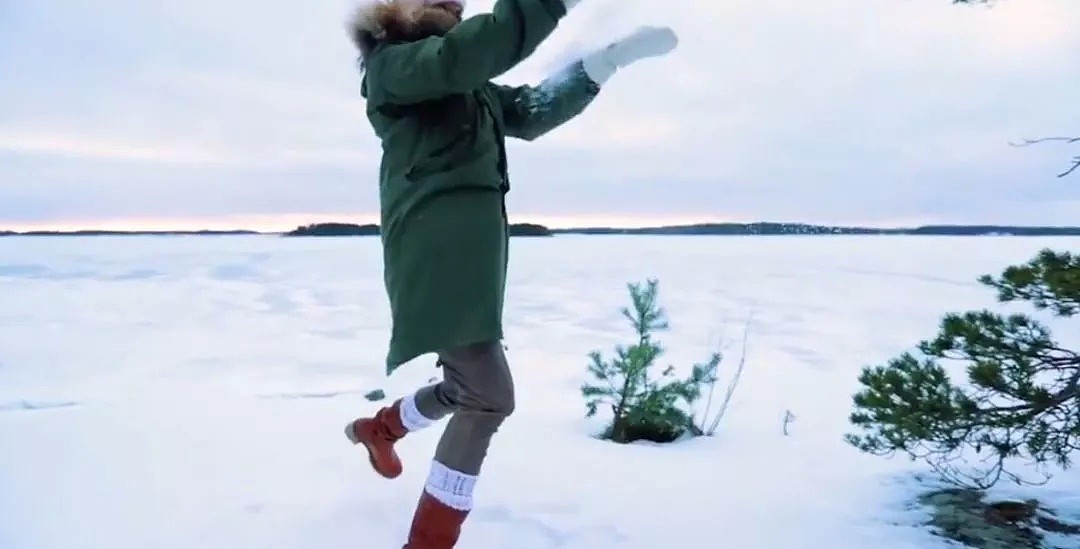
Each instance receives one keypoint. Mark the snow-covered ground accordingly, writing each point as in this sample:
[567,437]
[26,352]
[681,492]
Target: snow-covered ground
[179,392]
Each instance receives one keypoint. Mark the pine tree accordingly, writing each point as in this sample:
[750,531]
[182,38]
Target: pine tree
[644,406]
[1022,397]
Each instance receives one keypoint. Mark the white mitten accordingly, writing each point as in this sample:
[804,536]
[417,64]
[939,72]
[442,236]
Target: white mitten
[644,42]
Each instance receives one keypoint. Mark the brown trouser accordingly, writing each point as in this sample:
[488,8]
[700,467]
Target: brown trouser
[478,390]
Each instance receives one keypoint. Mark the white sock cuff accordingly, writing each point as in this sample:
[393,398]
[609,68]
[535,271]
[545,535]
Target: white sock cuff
[411,418]
[450,487]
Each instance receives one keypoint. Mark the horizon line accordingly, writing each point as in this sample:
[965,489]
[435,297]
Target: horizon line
[285,222]
[68,228]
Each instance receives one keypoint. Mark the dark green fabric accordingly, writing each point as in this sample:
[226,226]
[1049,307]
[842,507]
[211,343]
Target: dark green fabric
[443,176]
[530,112]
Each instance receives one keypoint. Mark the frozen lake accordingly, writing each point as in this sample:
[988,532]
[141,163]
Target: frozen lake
[178,392]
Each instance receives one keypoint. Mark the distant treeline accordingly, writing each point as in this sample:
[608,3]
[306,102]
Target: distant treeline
[349,229]
[94,232]
[531,229]
[804,229]
[335,229]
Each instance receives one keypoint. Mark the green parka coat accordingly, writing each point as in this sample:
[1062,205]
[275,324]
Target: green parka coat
[443,175]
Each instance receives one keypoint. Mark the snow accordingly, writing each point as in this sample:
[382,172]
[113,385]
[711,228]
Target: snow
[177,392]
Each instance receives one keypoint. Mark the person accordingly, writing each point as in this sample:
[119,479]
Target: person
[427,80]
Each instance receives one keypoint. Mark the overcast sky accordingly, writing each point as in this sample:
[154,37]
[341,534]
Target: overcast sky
[246,113]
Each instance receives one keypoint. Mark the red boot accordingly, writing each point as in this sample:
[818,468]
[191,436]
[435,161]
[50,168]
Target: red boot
[378,434]
[435,525]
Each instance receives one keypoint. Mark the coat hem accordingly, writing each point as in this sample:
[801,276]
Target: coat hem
[394,362]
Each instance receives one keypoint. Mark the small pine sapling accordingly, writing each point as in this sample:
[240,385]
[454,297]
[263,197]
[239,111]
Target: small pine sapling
[644,406]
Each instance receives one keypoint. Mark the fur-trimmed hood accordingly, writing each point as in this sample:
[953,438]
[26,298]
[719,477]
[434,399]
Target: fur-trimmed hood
[392,21]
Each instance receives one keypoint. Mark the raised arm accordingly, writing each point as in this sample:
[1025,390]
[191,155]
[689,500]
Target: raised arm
[476,50]
[530,112]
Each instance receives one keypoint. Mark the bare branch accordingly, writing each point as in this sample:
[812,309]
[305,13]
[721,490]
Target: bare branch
[1027,142]
[1075,166]
[715,424]
[1061,139]
[788,418]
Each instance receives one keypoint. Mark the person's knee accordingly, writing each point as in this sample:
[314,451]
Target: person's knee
[496,397]
[479,380]
[500,385]
[502,401]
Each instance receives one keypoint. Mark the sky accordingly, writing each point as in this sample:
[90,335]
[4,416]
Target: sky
[247,114]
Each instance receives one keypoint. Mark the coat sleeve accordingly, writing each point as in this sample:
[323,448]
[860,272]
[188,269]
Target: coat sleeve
[478,49]
[532,111]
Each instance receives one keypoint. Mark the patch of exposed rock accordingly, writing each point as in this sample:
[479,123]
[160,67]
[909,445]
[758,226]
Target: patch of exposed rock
[965,516]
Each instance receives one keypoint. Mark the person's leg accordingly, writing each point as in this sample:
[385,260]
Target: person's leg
[410,413]
[433,402]
[480,387]
[483,396]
